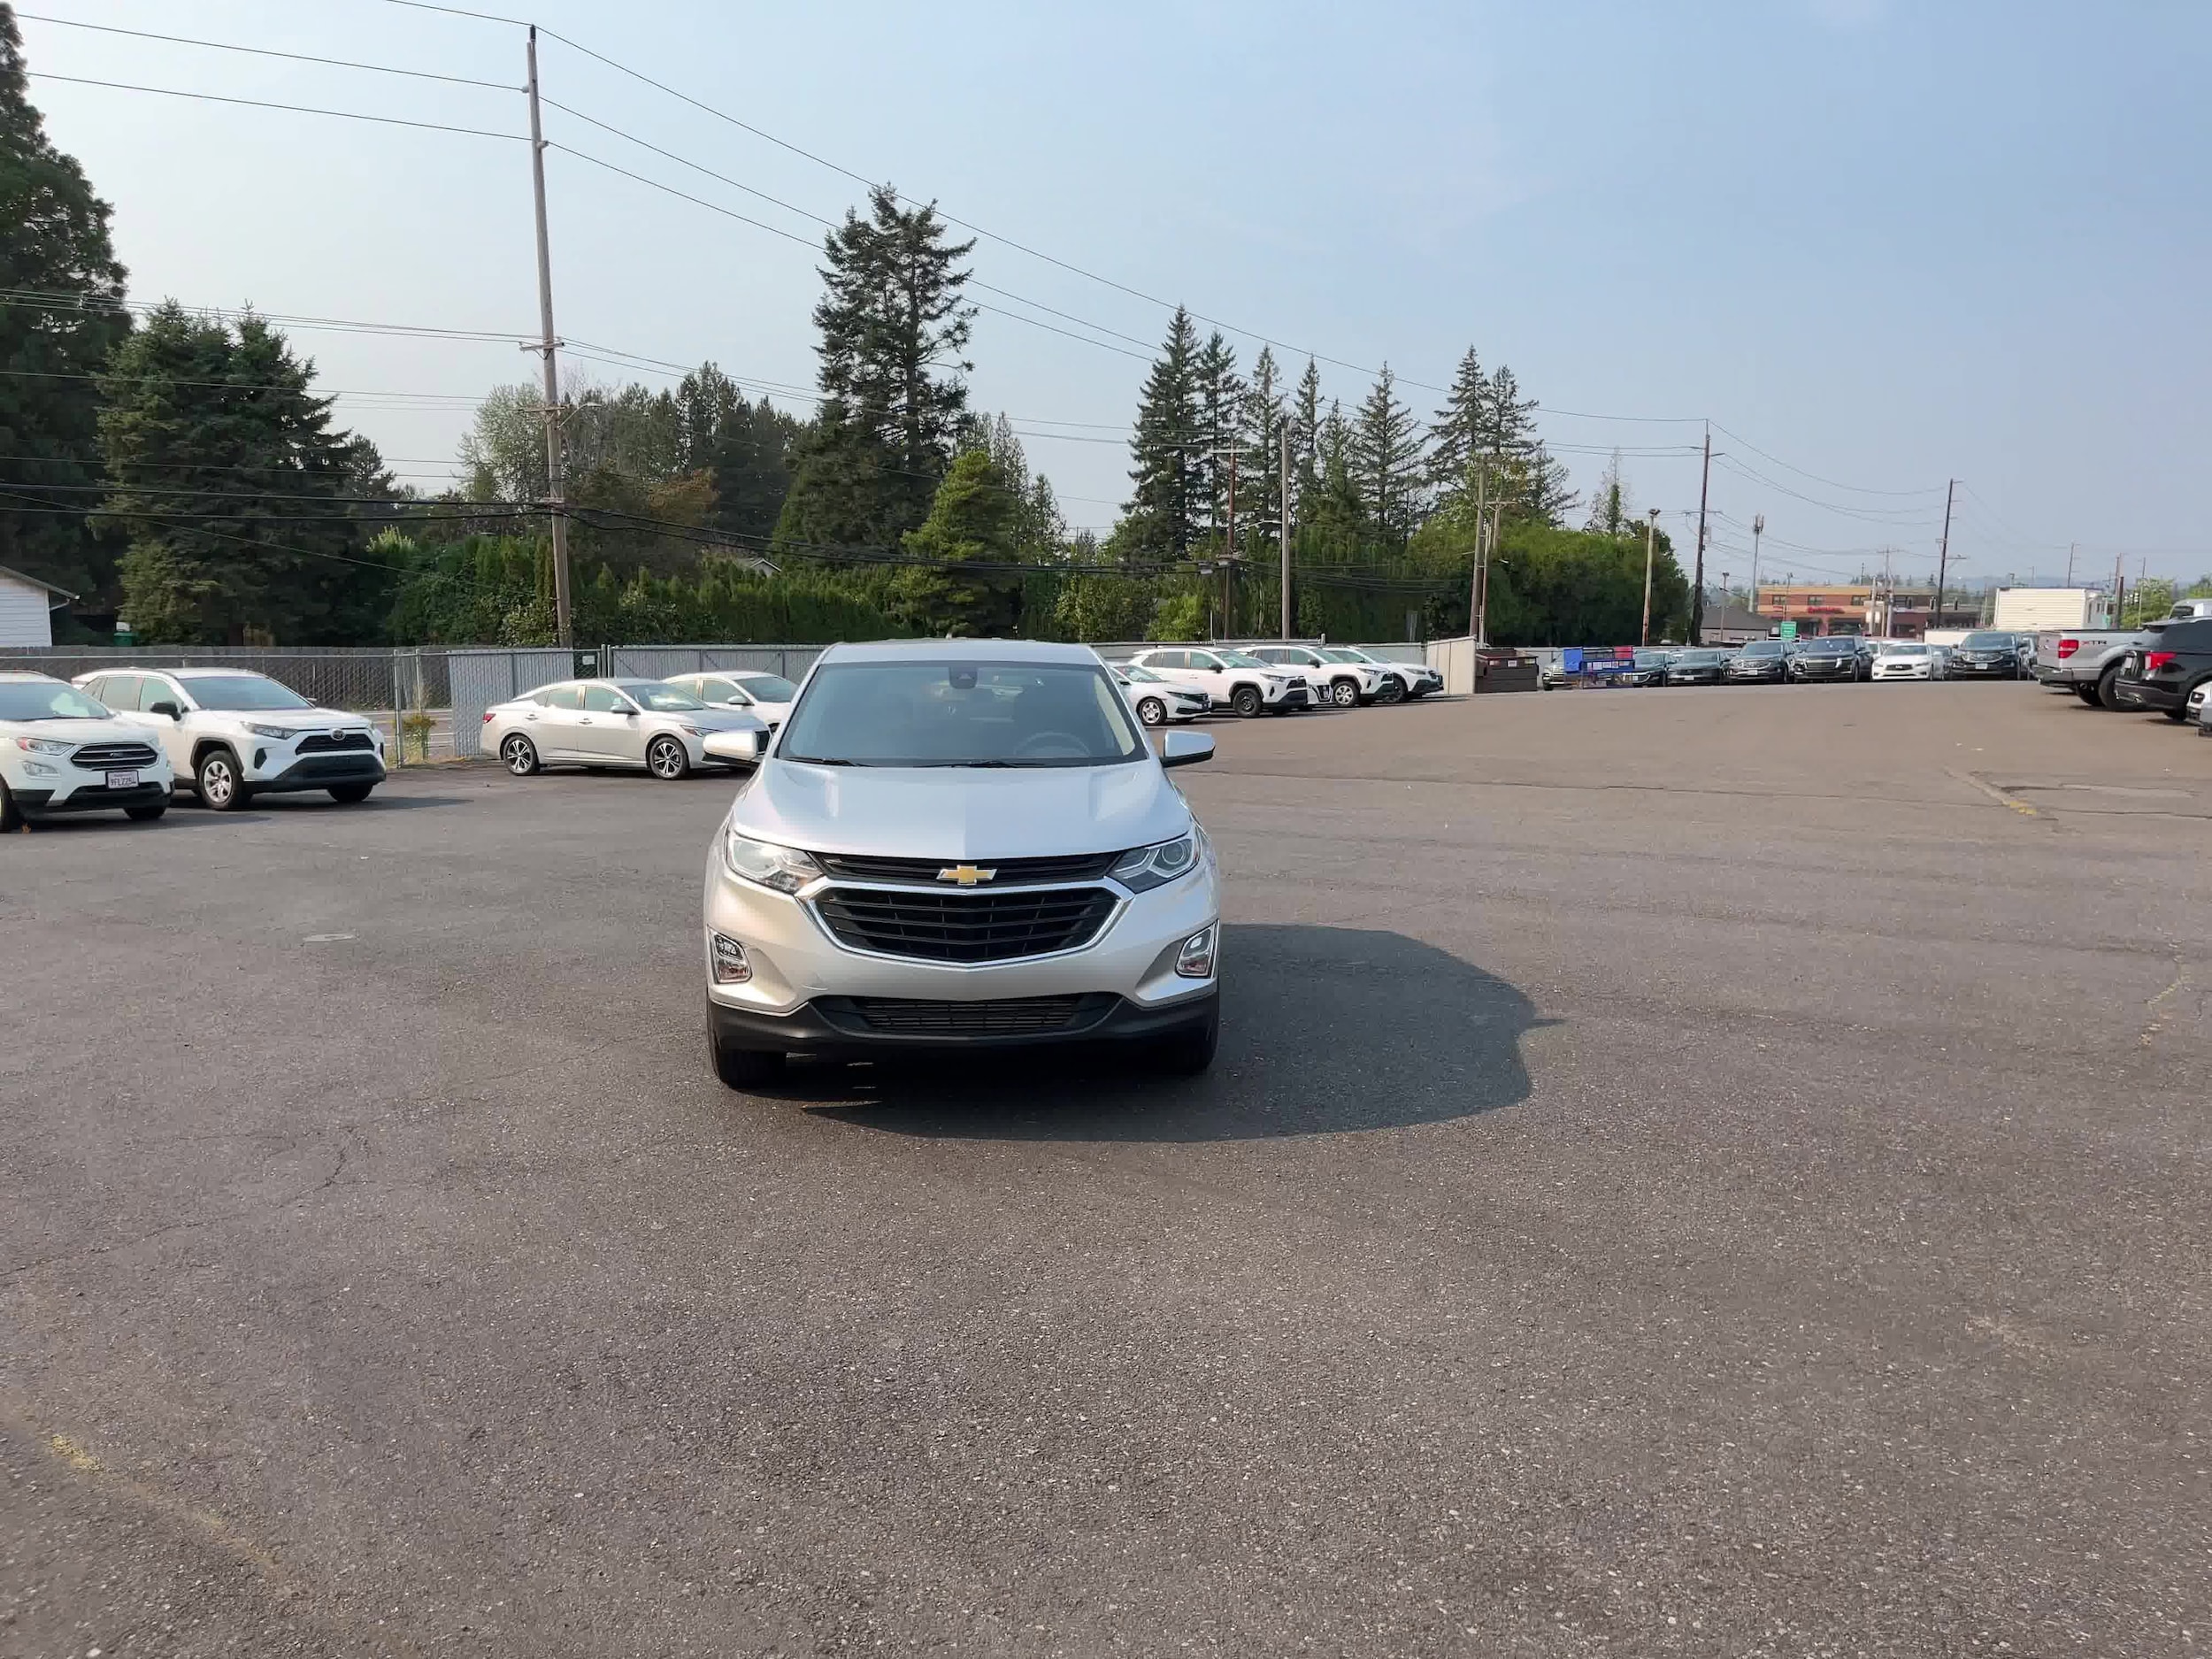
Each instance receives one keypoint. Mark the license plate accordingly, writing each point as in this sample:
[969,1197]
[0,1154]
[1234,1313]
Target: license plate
[122,780]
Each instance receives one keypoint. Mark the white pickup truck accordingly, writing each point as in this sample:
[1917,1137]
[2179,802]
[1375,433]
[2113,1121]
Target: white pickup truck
[2084,661]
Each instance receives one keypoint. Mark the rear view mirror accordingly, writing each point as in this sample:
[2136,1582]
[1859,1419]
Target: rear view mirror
[1186,749]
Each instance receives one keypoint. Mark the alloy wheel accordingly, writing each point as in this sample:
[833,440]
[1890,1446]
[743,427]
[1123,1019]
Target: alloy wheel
[665,759]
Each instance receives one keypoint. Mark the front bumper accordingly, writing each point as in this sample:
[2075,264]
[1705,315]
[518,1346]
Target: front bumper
[795,960]
[1826,670]
[90,798]
[276,774]
[1757,676]
[1919,670]
[832,1028]
[2008,668]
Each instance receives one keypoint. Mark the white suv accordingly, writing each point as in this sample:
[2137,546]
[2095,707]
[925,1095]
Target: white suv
[62,752]
[1416,678]
[235,734]
[1229,679]
[1343,684]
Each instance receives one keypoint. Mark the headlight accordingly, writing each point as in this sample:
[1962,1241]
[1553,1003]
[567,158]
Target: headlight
[43,746]
[280,733]
[1143,868]
[786,869]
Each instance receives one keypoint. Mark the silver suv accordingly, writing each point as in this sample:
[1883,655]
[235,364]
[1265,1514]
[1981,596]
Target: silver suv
[961,844]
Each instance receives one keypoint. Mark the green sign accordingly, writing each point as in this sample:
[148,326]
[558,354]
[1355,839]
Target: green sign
[1789,630]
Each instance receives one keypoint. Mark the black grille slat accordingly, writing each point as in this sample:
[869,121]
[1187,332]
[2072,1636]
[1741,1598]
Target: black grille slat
[1010,1017]
[1010,872]
[965,927]
[111,757]
[333,743]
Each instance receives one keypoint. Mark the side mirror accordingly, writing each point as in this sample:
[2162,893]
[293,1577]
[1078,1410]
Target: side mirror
[168,708]
[739,746]
[1186,749]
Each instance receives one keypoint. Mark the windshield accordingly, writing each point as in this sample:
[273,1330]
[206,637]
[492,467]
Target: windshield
[229,692]
[1764,647]
[1651,659]
[961,714]
[661,699]
[1904,650]
[1699,659]
[1242,659]
[1338,654]
[46,700]
[1987,642]
[1138,671]
[768,687]
[1837,647]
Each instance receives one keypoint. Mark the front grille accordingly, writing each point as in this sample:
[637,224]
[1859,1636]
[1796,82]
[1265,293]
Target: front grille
[965,927]
[1010,872]
[333,743]
[111,757]
[1296,694]
[1019,1016]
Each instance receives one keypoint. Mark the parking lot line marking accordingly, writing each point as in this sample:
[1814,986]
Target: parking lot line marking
[1994,793]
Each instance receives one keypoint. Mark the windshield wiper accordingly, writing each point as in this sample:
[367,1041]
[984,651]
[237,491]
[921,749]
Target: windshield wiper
[822,760]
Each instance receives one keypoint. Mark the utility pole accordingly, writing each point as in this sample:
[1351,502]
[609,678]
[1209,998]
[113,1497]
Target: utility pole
[1704,484]
[1474,567]
[1229,564]
[1758,529]
[563,622]
[2119,586]
[1489,549]
[1286,527]
[1651,531]
[1943,556]
[2073,547]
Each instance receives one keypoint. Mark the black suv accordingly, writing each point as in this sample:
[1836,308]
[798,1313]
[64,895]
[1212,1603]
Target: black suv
[2161,673]
[1830,656]
[1989,655]
[1761,662]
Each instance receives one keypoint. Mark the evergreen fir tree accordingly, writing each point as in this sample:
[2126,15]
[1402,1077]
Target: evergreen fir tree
[1385,455]
[973,519]
[1305,433]
[1461,433]
[66,318]
[1165,516]
[893,329]
[1220,400]
[187,404]
[1263,436]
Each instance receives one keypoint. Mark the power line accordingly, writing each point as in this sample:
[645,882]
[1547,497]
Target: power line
[264,103]
[265,51]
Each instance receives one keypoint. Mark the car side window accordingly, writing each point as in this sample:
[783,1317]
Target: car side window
[605,700]
[563,697]
[151,691]
[1199,659]
[1167,659]
[728,691]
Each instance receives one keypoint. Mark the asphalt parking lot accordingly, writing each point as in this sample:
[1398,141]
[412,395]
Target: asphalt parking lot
[1700,1171]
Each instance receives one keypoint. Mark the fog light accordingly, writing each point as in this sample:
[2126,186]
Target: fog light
[730,964]
[38,769]
[1196,960]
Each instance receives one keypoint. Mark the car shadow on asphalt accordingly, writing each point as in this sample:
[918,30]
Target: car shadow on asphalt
[1325,1030]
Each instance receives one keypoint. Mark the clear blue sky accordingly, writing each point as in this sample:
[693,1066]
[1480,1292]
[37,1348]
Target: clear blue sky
[1882,243]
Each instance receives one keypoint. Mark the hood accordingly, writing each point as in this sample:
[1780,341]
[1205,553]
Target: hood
[961,812]
[317,719]
[76,731]
[718,719]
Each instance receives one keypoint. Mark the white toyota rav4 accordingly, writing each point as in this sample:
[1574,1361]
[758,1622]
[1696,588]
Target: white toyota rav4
[234,735]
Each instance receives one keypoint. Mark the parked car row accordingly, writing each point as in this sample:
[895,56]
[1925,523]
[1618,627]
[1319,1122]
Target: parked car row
[1986,655]
[128,738]
[1170,683]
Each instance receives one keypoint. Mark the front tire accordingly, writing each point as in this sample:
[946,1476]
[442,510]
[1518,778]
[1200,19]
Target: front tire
[1246,701]
[667,759]
[350,794]
[10,820]
[221,787]
[146,814]
[1152,711]
[1344,694]
[518,755]
[1393,690]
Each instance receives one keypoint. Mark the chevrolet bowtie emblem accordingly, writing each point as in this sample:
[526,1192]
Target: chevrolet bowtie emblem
[966,875]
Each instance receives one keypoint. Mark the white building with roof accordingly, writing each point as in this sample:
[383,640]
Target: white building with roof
[26,609]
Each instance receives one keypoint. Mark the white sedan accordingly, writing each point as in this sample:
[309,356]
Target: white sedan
[765,697]
[1906,659]
[643,725]
[1158,700]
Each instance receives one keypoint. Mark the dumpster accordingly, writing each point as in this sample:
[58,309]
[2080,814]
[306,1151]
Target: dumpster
[1502,669]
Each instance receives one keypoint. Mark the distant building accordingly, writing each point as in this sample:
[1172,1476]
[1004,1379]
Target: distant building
[1902,612]
[26,609]
[1731,624]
